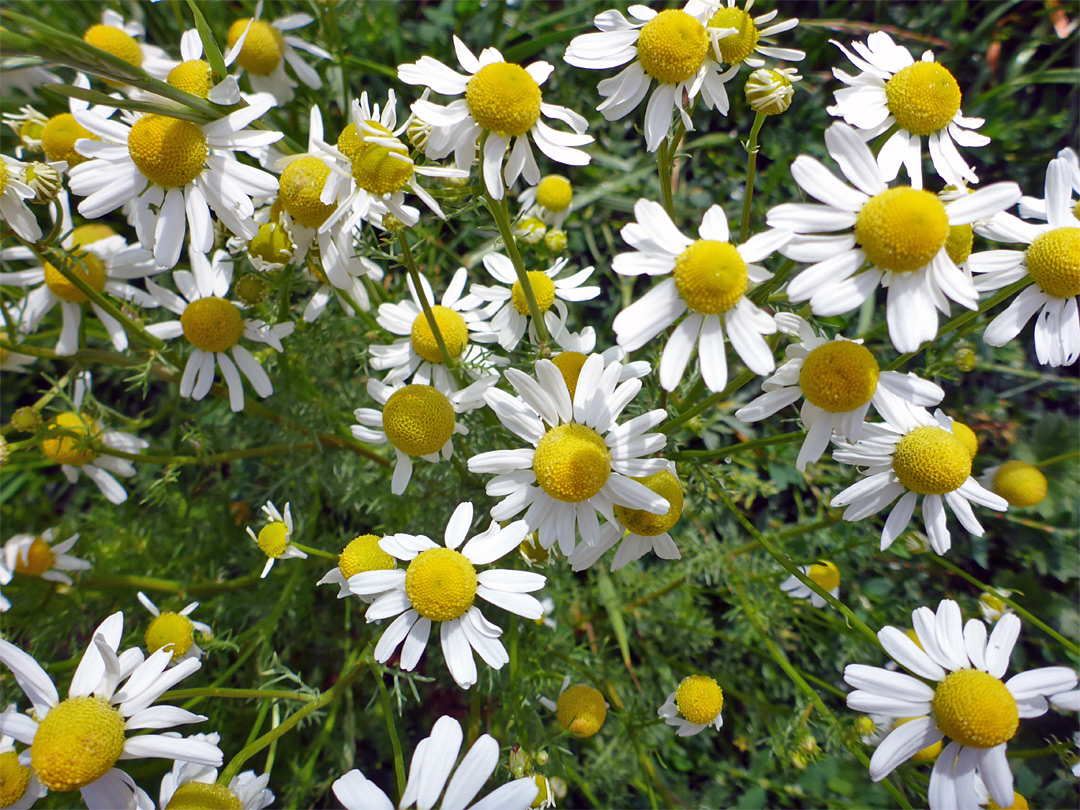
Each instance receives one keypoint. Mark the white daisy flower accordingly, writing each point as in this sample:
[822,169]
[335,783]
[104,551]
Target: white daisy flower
[992,605]
[1035,208]
[76,743]
[694,706]
[38,556]
[13,193]
[362,554]
[579,345]
[824,573]
[418,420]
[193,74]
[21,788]
[9,360]
[5,578]
[549,201]
[441,585]
[213,326]
[1051,260]
[191,784]
[911,454]
[982,795]
[838,381]
[581,462]
[901,231]
[275,538]
[710,277]
[967,703]
[1018,482]
[173,630]
[502,103]
[431,765]
[580,710]
[1066,701]
[123,39]
[750,36]
[173,172]
[921,98]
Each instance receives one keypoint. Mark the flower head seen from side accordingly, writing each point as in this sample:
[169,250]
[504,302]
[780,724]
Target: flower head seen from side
[19,787]
[823,573]
[14,192]
[432,763]
[992,604]
[441,584]
[502,104]
[549,201]
[76,743]
[191,785]
[275,538]
[174,631]
[123,39]
[709,280]
[38,556]
[1035,207]
[193,74]
[360,555]
[694,706]
[1023,485]
[902,232]
[580,709]
[966,701]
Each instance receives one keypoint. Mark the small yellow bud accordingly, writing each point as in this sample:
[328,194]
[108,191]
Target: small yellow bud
[555,241]
[26,419]
[530,230]
[44,180]
[769,91]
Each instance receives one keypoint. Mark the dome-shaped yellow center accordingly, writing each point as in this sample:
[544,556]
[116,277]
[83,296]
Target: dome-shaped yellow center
[503,98]
[418,420]
[89,233]
[77,743]
[543,290]
[902,229]
[14,778]
[959,242]
[39,559]
[699,699]
[85,265]
[710,276]
[170,628]
[645,523]
[769,91]
[58,138]
[734,48]
[967,436]
[581,710]
[554,193]
[569,364]
[455,334]
[923,97]
[348,141]
[825,575]
[931,461]
[299,189]
[212,324]
[975,709]
[1053,260]
[192,76]
[1019,803]
[263,46]
[114,41]
[839,376]
[1020,484]
[74,449]
[169,152]
[571,463]
[375,168]
[271,244]
[440,584]
[202,796]
[363,554]
[273,539]
[672,46]
[928,754]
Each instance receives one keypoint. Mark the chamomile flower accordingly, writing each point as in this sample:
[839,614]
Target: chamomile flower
[581,462]
[76,743]
[901,231]
[838,380]
[736,38]
[694,706]
[19,788]
[549,200]
[38,556]
[992,604]
[1018,482]
[1035,208]
[275,538]
[214,326]
[123,40]
[922,99]
[709,277]
[911,454]
[419,421]
[190,784]
[362,554]
[193,74]
[13,195]
[10,360]
[173,172]
[967,702]
[432,763]
[174,631]
[823,573]
[441,584]
[1051,261]
[580,709]
[502,103]
[876,727]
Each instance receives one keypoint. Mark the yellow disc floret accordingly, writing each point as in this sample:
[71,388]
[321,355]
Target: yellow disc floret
[581,710]
[299,189]
[348,141]
[440,584]
[570,363]
[928,754]
[263,46]
[825,574]
[571,463]
[839,376]
[554,193]
[699,699]
[418,420]
[1053,260]
[363,554]
[212,324]
[959,243]
[923,97]
[710,276]
[503,98]
[14,779]
[672,46]
[902,229]
[85,265]
[734,48]
[376,169]
[74,449]
[931,461]
[116,42]
[645,523]
[170,628]
[455,334]
[543,290]
[202,796]
[39,558]
[58,138]
[77,743]
[1020,484]
[168,151]
[273,539]
[967,436]
[192,76]
[975,709]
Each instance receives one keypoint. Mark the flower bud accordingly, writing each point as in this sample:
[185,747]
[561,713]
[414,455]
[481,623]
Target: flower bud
[44,180]
[26,419]
[530,230]
[769,91]
[555,240]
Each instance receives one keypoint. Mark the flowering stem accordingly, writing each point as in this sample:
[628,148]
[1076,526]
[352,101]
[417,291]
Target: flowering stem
[751,168]
[318,552]
[414,274]
[783,438]
[762,292]
[167,585]
[1057,459]
[211,458]
[395,743]
[743,378]
[242,694]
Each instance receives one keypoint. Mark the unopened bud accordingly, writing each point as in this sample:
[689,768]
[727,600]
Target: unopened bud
[530,230]
[555,241]
[26,419]
[44,180]
[251,289]
[769,90]
[271,248]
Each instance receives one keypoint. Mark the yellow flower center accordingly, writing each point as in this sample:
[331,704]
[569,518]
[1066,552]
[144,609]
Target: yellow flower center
[503,98]
[1019,803]
[646,524]
[554,193]
[1053,260]
[542,794]
[170,628]
[201,796]
[263,46]
[992,601]
[710,276]
[116,42]
[440,584]
[77,743]
[14,779]
[825,574]
[363,554]
[928,754]
[931,461]
[375,168]
[865,726]
[192,76]
[699,699]
[39,559]
[273,539]
[923,97]
[58,138]
[902,229]
[212,324]
[271,244]
[839,376]
[581,710]
[672,46]
[543,290]
[85,265]
[455,334]
[959,242]
[91,232]
[348,141]
[570,363]
[734,48]
[30,132]
[3,176]
[251,289]
[571,463]
[975,709]
[418,420]
[967,436]
[299,189]
[73,450]
[169,152]
[1020,484]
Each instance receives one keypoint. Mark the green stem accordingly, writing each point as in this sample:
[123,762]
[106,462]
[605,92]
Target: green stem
[242,694]
[166,585]
[414,274]
[743,379]
[720,452]
[751,168]
[1057,459]
[391,726]
[664,157]
[318,552]
[210,459]
[760,294]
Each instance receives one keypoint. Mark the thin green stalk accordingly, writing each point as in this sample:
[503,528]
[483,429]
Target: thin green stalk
[664,158]
[720,452]
[744,378]
[210,459]
[760,294]
[101,581]
[751,169]
[391,726]
[317,552]
[241,694]
[339,46]
[425,305]
[1057,459]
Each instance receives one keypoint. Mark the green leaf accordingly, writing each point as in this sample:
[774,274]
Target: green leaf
[210,47]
